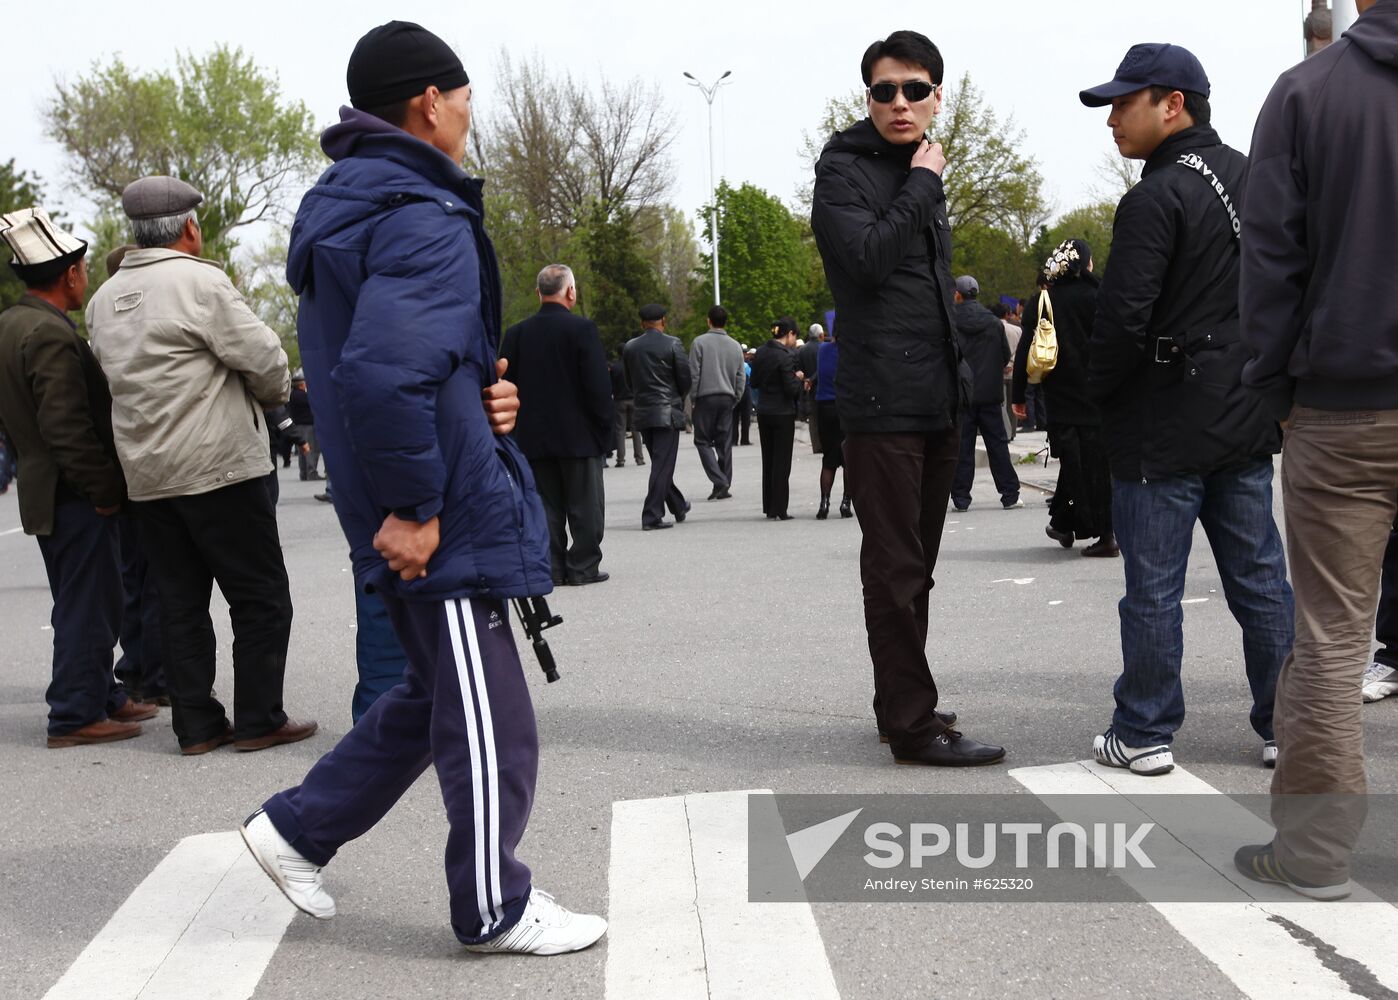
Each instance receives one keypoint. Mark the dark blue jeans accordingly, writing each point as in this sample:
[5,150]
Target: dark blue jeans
[989,419]
[1154,524]
[380,655]
[83,560]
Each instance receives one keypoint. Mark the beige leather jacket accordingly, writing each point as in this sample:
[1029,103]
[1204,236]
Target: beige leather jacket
[191,368]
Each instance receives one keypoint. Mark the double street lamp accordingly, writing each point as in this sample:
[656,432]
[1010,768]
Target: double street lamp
[709,93]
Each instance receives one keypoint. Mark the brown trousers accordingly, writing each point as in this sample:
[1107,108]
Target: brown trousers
[900,484]
[1340,490]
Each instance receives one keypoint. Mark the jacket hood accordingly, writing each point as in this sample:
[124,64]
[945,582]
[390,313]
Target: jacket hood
[862,138]
[1376,33]
[376,166]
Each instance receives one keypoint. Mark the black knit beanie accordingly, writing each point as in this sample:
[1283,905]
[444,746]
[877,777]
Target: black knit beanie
[399,60]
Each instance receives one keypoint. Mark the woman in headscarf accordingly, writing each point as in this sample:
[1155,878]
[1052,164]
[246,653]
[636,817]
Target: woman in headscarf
[1081,507]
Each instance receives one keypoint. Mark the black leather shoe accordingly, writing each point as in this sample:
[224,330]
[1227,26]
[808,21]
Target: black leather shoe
[657,525]
[680,515]
[785,517]
[713,494]
[1061,537]
[951,749]
[723,494]
[844,508]
[824,511]
[583,581]
[948,719]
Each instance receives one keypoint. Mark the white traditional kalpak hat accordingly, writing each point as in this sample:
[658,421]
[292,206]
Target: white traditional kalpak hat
[41,250]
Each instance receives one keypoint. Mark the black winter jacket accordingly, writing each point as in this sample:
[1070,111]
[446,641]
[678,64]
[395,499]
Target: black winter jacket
[985,348]
[884,239]
[1074,302]
[774,378]
[1166,356]
[1319,299]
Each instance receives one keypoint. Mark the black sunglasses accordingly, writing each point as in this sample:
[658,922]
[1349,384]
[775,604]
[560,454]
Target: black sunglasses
[913,90]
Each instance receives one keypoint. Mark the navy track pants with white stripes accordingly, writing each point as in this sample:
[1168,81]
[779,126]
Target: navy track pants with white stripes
[463,706]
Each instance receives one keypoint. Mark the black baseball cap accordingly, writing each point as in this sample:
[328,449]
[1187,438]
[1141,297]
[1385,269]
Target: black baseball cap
[1151,64]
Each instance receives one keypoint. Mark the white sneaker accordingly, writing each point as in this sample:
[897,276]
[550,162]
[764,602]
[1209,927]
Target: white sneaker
[1109,750]
[1380,681]
[1269,753]
[545,929]
[294,875]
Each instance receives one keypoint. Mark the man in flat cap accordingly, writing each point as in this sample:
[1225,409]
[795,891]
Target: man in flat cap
[55,409]
[399,324]
[1186,442]
[191,369]
[657,370]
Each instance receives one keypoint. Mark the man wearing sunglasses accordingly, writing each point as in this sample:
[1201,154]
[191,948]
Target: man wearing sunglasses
[880,221]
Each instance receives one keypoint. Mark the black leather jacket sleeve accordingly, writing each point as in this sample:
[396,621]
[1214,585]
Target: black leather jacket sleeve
[1143,238]
[869,245]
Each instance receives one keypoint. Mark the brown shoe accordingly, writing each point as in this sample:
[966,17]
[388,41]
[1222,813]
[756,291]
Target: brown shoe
[1104,548]
[291,732]
[106,731]
[221,740]
[135,711]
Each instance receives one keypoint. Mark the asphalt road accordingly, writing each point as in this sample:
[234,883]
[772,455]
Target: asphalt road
[728,653]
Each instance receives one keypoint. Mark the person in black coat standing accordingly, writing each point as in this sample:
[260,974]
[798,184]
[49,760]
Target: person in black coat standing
[983,344]
[779,386]
[1082,501]
[565,421]
[657,369]
[879,216]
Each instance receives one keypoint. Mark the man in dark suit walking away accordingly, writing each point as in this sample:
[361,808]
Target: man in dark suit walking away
[558,363]
[658,372]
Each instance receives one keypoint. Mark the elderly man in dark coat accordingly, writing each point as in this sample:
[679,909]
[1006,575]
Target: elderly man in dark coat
[657,370]
[55,408]
[565,424]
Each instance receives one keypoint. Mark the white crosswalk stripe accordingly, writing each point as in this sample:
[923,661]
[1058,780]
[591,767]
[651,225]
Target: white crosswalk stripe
[1252,937]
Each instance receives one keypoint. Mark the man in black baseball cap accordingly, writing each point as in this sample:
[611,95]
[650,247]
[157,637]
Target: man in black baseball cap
[1186,441]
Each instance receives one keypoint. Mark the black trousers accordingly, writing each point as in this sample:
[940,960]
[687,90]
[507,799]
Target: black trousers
[776,435]
[742,418]
[713,437]
[229,536]
[1082,499]
[900,484]
[663,443]
[623,421]
[990,421]
[141,667]
[1386,622]
[575,504]
[82,559]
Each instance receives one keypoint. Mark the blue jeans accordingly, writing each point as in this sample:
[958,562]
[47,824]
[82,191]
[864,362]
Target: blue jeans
[1154,524]
[382,662]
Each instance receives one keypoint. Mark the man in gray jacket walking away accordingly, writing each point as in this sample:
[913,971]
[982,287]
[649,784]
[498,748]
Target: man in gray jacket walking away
[716,370]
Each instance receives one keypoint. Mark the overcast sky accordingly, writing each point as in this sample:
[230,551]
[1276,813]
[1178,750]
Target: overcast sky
[1030,58]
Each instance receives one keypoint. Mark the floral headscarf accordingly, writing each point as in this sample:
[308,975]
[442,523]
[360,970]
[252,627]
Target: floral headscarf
[1068,260]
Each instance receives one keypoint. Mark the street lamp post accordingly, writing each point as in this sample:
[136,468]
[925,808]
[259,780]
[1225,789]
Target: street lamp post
[709,93]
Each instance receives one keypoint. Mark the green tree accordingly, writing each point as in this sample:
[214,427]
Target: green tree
[18,189]
[618,279]
[266,289]
[766,262]
[218,121]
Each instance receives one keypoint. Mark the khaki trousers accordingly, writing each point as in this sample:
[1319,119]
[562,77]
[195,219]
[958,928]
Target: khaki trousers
[1340,490]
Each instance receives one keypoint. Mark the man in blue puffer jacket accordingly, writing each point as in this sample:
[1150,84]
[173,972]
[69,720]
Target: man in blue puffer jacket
[399,322]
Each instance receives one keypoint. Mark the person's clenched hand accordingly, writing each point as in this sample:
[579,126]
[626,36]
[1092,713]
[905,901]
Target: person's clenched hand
[501,401]
[407,545]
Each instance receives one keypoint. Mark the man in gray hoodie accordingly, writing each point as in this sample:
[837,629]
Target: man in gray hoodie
[1320,319]
[716,369]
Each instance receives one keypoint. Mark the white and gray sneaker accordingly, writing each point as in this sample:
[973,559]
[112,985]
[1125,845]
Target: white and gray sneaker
[1269,753]
[1380,681]
[298,878]
[545,928]
[1110,751]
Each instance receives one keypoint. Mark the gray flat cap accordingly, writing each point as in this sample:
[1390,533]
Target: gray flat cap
[154,197]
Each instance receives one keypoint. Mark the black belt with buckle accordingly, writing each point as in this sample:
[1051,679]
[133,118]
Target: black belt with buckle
[1166,350]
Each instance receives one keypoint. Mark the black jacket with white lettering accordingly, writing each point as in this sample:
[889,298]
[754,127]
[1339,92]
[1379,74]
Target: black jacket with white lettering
[1166,357]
